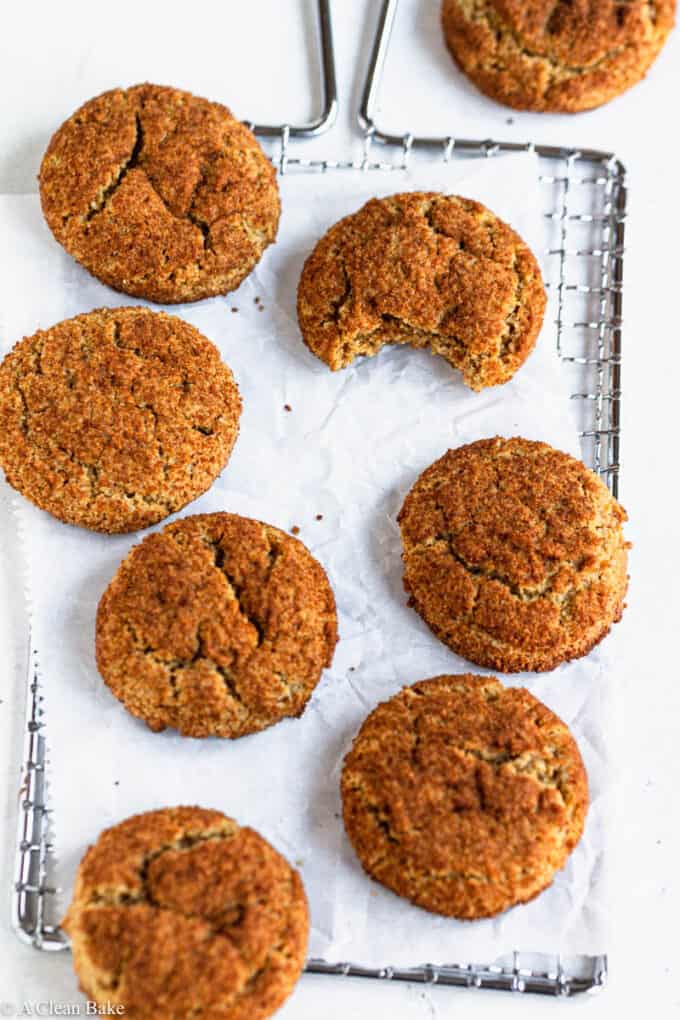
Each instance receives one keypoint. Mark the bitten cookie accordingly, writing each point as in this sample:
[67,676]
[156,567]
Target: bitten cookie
[556,55]
[159,193]
[216,626]
[514,554]
[180,912]
[464,796]
[430,270]
[117,418]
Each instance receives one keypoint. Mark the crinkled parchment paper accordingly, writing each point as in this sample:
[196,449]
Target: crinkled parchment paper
[350,448]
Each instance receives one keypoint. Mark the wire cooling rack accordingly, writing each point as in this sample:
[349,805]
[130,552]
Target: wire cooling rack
[585,210]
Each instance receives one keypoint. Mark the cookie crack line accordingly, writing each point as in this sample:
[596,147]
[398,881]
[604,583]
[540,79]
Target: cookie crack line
[91,470]
[102,899]
[260,627]
[524,594]
[486,15]
[531,762]
[219,558]
[135,161]
[175,667]
[92,473]
[381,815]
[129,164]
[186,842]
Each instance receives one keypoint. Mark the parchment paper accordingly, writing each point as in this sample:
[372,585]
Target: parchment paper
[350,448]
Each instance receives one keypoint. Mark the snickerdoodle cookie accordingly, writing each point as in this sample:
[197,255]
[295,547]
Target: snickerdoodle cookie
[556,55]
[116,418]
[514,554]
[181,912]
[430,270]
[217,625]
[464,796]
[159,193]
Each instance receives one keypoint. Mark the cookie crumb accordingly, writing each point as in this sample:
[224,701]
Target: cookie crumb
[295,530]
[319,517]
[234,309]
[287,407]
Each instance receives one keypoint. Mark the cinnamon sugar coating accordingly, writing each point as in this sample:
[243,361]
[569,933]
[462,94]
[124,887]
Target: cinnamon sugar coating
[218,625]
[159,193]
[435,271]
[117,418]
[514,554]
[556,55]
[180,912]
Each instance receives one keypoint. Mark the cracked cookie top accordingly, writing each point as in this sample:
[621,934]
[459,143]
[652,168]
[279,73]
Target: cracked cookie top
[117,418]
[430,270]
[216,626]
[514,554]
[181,912]
[556,55]
[464,796]
[160,194]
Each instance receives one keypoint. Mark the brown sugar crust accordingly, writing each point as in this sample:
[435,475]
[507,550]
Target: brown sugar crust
[180,912]
[556,55]
[464,796]
[116,418]
[430,270]
[514,554]
[159,193]
[216,626]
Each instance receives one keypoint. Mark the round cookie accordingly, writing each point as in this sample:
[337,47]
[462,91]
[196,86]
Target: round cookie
[181,912]
[464,796]
[556,55]
[514,554]
[430,270]
[117,418]
[216,626]
[159,193]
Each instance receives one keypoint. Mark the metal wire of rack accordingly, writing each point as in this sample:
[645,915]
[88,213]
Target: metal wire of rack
[586,199]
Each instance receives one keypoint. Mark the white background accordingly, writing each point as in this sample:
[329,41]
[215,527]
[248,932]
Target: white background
[256,58]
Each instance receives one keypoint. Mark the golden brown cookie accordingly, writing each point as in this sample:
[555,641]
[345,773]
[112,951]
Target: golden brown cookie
[216,626]
[180,912]
[464,796]
[117,418]
[159,193]
[556,55]
[514,554]
[430,270]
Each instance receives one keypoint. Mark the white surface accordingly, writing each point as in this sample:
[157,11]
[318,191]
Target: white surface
[45,73]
